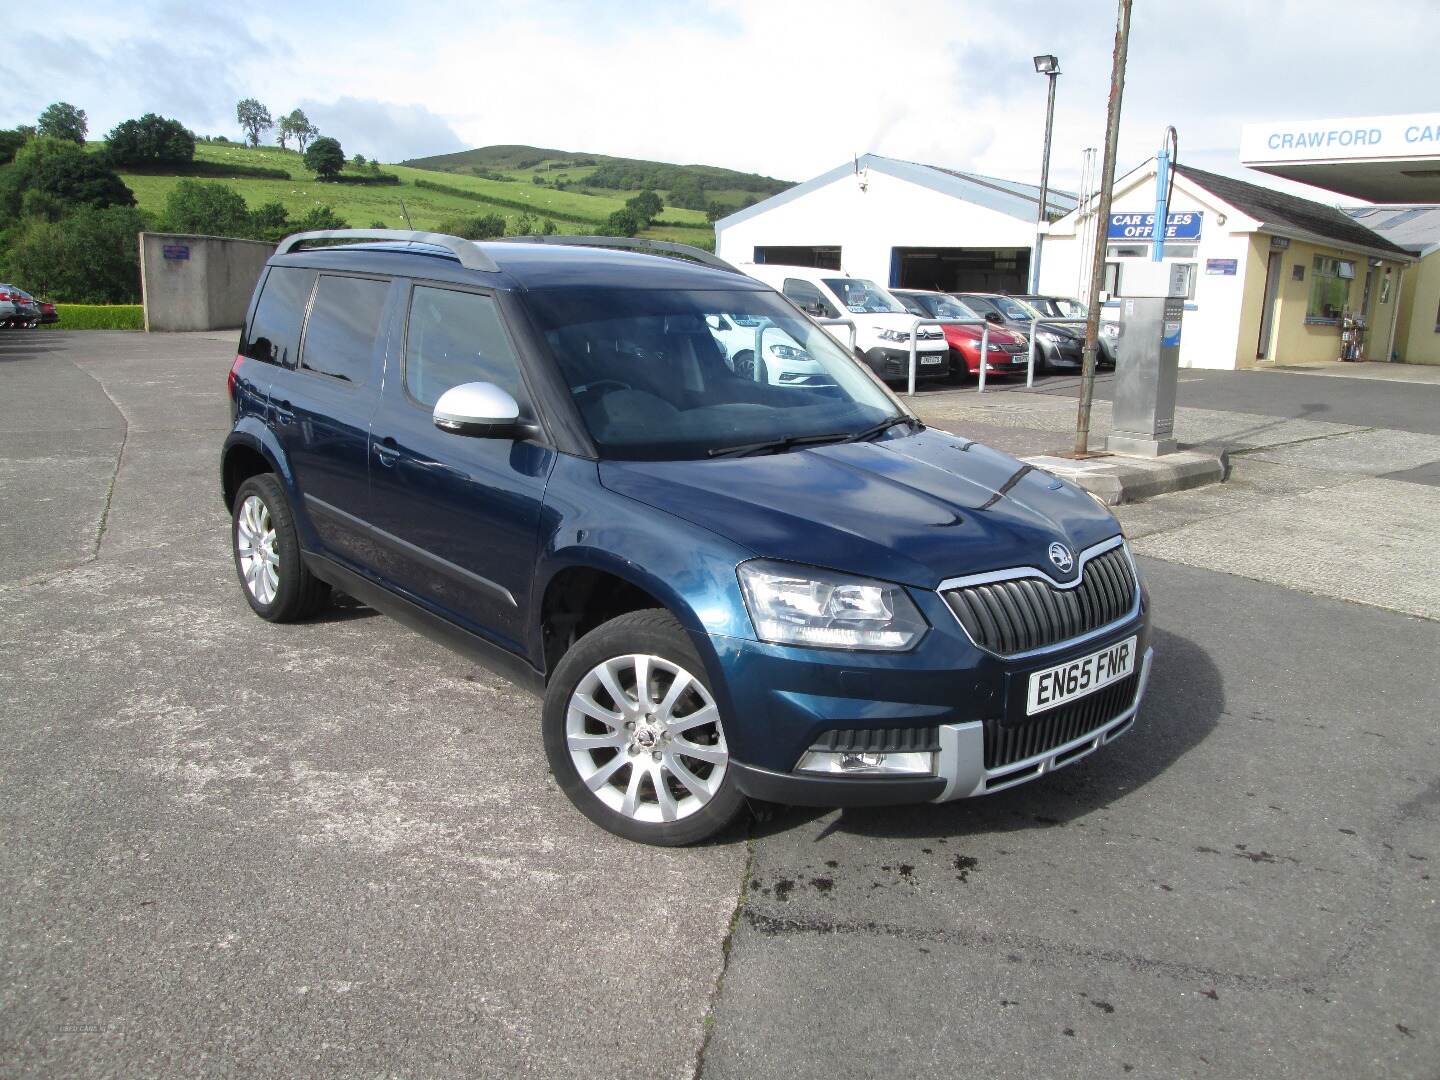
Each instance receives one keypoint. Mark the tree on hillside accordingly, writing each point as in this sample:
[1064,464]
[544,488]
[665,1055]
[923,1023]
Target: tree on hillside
[358,161]
[49,178]
[63,121]
[321,217]
[714,212]
[10,144]
[647,206]
[297,126]
[254,119]
[151,141]
[474,227]
[207,209]
[622,223]
[325,158]
[88,258]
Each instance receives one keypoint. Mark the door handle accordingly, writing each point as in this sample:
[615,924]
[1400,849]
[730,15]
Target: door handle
[387,451]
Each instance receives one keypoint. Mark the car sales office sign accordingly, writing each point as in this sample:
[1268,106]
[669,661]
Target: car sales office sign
[1181,225]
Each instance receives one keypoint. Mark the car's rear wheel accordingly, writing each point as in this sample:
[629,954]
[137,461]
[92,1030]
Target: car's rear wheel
[273,575]
[634,736]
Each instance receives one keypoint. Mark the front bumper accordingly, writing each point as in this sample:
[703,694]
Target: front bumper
[895,363]
[780,702]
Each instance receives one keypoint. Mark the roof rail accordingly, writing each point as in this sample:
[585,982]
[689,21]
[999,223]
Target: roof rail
[629,243]
[469,253]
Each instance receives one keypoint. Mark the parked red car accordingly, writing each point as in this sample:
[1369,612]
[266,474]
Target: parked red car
[1009,349]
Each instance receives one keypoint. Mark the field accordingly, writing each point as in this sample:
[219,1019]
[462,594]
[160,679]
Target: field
[366,205]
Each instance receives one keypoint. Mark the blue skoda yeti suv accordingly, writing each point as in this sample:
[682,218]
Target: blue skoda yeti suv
[725,580]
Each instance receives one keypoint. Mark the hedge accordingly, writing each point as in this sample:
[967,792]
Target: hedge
[214,169]
[98,317]
[512,204]
[358,178]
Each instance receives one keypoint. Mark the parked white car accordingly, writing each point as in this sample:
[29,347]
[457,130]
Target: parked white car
[882,325]
[782,361]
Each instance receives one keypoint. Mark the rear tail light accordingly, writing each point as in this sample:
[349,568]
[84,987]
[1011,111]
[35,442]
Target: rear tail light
[234,375]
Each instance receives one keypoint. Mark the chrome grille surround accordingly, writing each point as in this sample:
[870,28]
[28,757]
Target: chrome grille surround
[1032,629]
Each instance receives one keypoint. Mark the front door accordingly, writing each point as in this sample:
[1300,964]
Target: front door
[1267,310]
[457,517]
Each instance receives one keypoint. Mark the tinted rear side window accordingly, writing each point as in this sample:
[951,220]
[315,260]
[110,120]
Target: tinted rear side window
[344,319]
[274,336]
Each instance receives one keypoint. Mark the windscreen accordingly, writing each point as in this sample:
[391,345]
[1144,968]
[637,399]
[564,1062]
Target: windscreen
[662,374]
[863,297]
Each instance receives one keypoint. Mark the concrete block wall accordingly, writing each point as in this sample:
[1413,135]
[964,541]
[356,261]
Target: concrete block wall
[198,282]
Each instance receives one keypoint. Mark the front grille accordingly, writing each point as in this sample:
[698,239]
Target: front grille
[1015,616]
[1011,347]
[880,740]
[1007,744]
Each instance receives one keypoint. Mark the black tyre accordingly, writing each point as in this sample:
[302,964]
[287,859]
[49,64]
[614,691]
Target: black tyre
[747,367]
[273,575]
[634,737]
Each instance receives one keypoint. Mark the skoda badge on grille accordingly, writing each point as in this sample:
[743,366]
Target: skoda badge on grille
[1061,557]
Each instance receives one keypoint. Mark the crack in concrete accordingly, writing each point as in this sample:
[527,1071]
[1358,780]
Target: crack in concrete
[726,946]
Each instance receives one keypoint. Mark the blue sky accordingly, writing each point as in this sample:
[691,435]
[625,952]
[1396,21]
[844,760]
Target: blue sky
[788,89]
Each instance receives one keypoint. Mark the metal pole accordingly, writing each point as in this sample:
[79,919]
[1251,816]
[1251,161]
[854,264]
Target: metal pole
[913,331]
[1102,229]
[1030,372]
[984,354]
[1040,216]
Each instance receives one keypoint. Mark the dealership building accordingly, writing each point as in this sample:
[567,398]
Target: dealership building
[899,223]
[1273,277]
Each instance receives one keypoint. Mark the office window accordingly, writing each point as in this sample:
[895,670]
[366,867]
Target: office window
[1111,282]
[1329,287]
[344,319]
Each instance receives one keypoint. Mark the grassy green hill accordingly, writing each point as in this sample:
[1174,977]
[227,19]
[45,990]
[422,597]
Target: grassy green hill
[574,211]
[602,175]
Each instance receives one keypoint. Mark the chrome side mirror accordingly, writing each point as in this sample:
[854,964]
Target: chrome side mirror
[480,410]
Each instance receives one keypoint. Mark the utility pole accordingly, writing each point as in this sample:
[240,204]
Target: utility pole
[1102,229]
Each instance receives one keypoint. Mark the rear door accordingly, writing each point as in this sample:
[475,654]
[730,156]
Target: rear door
[321,407]
[457,518]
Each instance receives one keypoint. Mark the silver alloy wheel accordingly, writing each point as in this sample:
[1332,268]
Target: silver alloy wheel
[255,545]
[645,737]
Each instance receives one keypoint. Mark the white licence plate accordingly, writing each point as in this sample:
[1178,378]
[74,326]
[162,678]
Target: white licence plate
[932,359]
[1066,682]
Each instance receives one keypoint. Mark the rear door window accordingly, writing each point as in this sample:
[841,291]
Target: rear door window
[344,320]
[274,334]
[457,337]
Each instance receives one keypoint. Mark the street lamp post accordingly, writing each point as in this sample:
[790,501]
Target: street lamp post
[1049,66]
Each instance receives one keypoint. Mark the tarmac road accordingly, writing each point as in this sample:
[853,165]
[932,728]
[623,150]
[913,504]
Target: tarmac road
[228,848]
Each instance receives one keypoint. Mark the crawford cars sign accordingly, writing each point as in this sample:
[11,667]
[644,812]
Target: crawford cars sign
[1357,138]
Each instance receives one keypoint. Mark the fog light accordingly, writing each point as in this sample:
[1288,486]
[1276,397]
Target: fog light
[851,763]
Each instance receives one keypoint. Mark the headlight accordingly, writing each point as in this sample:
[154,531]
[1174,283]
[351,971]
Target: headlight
[1047,337]
[894,335]
[789,352]
[1110,329]
[802,605]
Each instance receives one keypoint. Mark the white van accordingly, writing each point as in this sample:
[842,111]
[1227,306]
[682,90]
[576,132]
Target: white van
[882,325]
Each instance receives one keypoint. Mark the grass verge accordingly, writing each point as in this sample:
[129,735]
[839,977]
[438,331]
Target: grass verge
[98,317]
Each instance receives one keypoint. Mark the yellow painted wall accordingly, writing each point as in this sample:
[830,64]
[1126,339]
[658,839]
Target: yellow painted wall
[1416,336]
[1252,300]
[1297,342]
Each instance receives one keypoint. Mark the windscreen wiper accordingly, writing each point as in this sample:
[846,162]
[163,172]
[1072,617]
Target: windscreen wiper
[884,426]
[774,446]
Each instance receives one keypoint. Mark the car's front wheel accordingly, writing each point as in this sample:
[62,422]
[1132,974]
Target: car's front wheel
[273,575]
[634,736]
